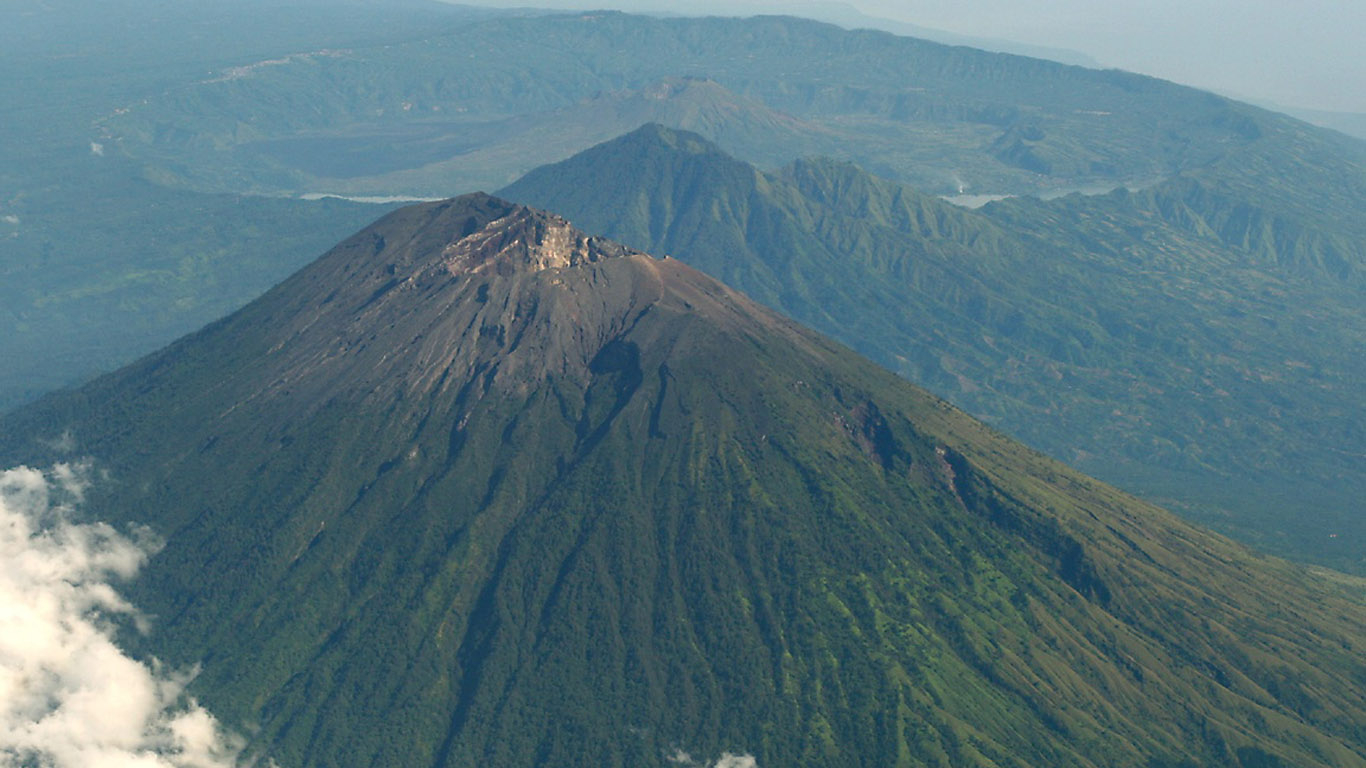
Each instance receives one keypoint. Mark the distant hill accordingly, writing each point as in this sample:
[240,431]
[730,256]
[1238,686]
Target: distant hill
[422,156]
[1178,340]
[477,488]
[941,117]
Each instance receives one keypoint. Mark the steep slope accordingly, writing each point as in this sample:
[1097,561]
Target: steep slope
[1197,349]
[475,488]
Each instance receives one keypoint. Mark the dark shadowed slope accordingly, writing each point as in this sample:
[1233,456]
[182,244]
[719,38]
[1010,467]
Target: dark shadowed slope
[475,488]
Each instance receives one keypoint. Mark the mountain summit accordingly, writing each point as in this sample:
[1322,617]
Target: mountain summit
[475,488]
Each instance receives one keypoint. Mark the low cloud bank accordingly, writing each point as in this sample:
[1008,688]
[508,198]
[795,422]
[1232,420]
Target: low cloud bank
[69,698]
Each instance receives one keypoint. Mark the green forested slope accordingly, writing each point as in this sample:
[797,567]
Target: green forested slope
[475,489]
[1162,339]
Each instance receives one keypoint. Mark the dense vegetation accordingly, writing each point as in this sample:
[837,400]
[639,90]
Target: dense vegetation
[83,293]
[1171,340]
[475,105]
[1196,341]
[416,513]
[502,515]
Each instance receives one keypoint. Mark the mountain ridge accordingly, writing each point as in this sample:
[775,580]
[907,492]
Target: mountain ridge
[946,119]
[937,116]
[613,511]
[1119,332]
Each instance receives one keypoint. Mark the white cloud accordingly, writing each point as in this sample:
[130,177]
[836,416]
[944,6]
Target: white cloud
[69,698]
[96,149]
[727,760]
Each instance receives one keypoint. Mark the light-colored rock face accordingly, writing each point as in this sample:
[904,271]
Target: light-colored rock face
[462,288]
[521,241]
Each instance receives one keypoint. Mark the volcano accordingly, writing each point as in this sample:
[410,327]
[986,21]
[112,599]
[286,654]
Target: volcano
[475,488]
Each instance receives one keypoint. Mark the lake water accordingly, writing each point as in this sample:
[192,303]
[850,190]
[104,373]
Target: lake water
[979,200]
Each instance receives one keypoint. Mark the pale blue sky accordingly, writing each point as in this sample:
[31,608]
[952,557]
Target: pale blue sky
[1300,53]
[1296,53]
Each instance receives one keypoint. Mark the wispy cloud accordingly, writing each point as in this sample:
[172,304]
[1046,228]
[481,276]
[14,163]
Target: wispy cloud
[735,761]
[69,698]
[727,760]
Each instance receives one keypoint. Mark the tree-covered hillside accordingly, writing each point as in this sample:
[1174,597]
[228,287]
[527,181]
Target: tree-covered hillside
[475,488]
[1169,340]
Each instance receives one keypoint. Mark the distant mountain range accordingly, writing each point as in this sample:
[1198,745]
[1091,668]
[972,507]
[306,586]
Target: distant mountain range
[843,14]
[469,107]
[477,488]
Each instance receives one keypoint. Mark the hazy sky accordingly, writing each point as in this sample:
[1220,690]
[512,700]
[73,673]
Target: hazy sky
[1307,54]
